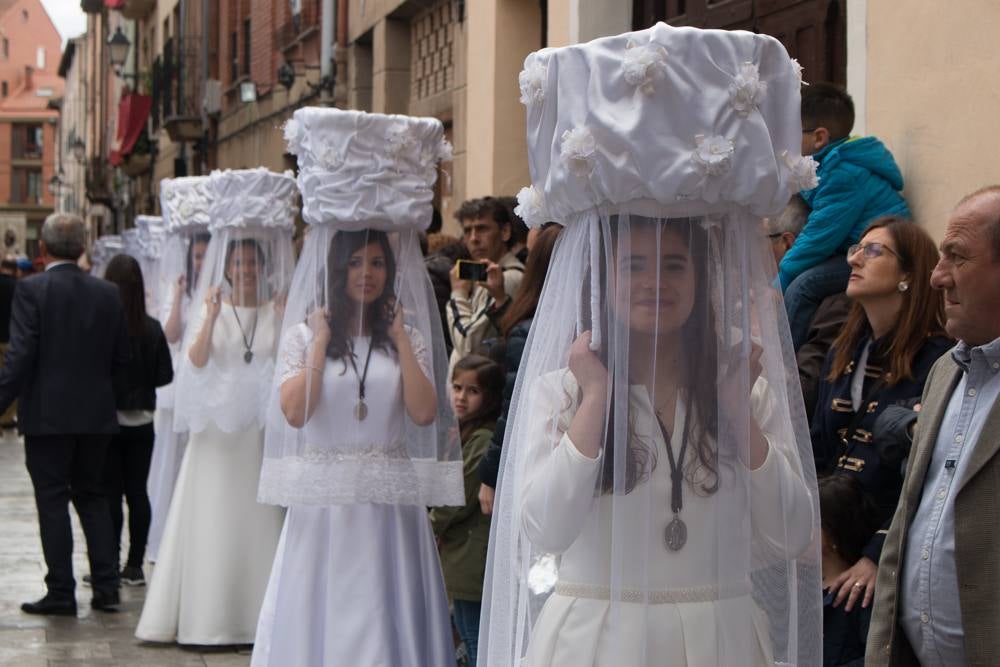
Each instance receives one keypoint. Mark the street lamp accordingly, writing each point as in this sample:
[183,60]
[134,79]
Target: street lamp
[118,48]
[248,92]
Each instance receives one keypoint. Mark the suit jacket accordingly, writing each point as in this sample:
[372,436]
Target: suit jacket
[67,339]
[7,285]
[977,542]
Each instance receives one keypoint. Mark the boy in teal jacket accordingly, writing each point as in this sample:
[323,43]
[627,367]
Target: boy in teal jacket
[858,182]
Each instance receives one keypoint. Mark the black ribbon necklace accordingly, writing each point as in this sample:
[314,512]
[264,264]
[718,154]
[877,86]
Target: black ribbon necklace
[675,535]
[361,409]
[247,345]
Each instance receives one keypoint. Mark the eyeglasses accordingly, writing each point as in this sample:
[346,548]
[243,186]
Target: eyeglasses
[811,129]
[870,250]
[776,235]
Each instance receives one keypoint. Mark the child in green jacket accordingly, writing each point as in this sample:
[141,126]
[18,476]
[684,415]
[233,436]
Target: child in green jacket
[463,533]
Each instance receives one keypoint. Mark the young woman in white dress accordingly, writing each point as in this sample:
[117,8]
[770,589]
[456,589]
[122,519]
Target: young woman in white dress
[653,506]
[219,542]
[183,256]
[360,440]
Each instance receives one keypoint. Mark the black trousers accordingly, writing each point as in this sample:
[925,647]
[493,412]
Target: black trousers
[66,468]
[125,473]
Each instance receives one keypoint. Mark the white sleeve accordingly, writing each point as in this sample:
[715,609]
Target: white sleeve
[420,350]
[560,489]
[781,506]
[292,353]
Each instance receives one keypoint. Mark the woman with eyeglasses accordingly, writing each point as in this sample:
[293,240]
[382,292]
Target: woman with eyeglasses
[893,335]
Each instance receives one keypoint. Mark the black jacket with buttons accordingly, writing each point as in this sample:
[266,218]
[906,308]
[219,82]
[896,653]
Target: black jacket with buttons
[859,457]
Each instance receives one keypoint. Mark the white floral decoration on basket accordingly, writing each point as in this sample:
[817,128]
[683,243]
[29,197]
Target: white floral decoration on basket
[531,207]
[293,135]
[532,83]
[400,141]
[713,155]
[431,158]
[327,154]
[643,65]
[746,89]
[186,208]
[578,151]
[798,71]
[802,170]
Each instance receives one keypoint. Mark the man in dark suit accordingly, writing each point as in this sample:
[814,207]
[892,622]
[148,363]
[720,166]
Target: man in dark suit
[67,338]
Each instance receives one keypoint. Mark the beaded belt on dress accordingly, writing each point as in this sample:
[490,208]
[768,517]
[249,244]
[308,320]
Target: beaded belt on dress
[672,596]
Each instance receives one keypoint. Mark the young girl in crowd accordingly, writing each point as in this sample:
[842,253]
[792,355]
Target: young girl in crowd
[849,519]
[463,532]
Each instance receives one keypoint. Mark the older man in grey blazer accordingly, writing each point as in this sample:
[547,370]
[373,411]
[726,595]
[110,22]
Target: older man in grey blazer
[937,598]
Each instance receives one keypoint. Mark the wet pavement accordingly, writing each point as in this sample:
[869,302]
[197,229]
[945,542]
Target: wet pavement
[93,638]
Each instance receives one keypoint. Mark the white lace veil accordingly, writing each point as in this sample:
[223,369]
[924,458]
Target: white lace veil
[657,500]
[104,248]
[185,206]
[356,448]
[248,267]
[151,235]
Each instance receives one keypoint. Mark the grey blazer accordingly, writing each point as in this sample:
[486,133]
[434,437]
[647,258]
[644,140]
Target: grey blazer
[977,535]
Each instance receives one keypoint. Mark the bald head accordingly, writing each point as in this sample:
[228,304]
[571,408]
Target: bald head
[64,236]
[983,207]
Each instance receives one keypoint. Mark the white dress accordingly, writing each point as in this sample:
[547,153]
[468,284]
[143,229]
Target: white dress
[219,542]
[168,451]
[356,583]
[687,618]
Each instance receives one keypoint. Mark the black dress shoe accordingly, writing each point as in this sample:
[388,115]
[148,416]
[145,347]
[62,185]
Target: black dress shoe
[49,606]
[105,601]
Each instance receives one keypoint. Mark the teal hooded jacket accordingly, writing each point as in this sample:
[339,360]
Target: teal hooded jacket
[858,181]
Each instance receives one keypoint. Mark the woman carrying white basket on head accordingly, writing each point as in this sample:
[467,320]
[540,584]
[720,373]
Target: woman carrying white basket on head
[219,542]
[360,439]
[656,504]
[185,206]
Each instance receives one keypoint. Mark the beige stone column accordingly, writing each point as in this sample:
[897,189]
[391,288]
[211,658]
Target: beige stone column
[499,35]
[391,66]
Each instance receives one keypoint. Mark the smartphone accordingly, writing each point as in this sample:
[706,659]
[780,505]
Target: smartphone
[468,270]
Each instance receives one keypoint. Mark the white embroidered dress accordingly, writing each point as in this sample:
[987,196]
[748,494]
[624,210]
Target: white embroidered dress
[675,610]
[356,580]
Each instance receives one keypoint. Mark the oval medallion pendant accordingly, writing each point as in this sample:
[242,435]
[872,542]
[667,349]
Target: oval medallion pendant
[360,411]
[248,356]
[676,534]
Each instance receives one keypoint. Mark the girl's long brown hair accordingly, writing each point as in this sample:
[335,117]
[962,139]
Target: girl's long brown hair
[920,316]
[699,336]
[526,299]
[490,378]
[125,272]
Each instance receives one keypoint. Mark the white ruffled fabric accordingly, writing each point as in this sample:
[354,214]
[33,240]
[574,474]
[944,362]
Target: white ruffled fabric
[185,202]
[594,142]
[366,171]
[252,198]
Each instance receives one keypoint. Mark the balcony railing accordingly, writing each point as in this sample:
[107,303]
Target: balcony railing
[177,89]
[293,30]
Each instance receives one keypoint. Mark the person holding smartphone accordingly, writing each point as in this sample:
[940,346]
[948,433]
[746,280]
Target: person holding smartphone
[480,289]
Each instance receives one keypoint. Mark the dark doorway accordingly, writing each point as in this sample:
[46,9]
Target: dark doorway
[813,31]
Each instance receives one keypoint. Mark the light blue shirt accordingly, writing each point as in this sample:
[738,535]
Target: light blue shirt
[930,612]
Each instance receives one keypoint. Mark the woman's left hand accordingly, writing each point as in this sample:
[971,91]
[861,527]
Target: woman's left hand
[856,583]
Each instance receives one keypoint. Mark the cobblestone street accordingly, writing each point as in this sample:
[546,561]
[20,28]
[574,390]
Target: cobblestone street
[93,638]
